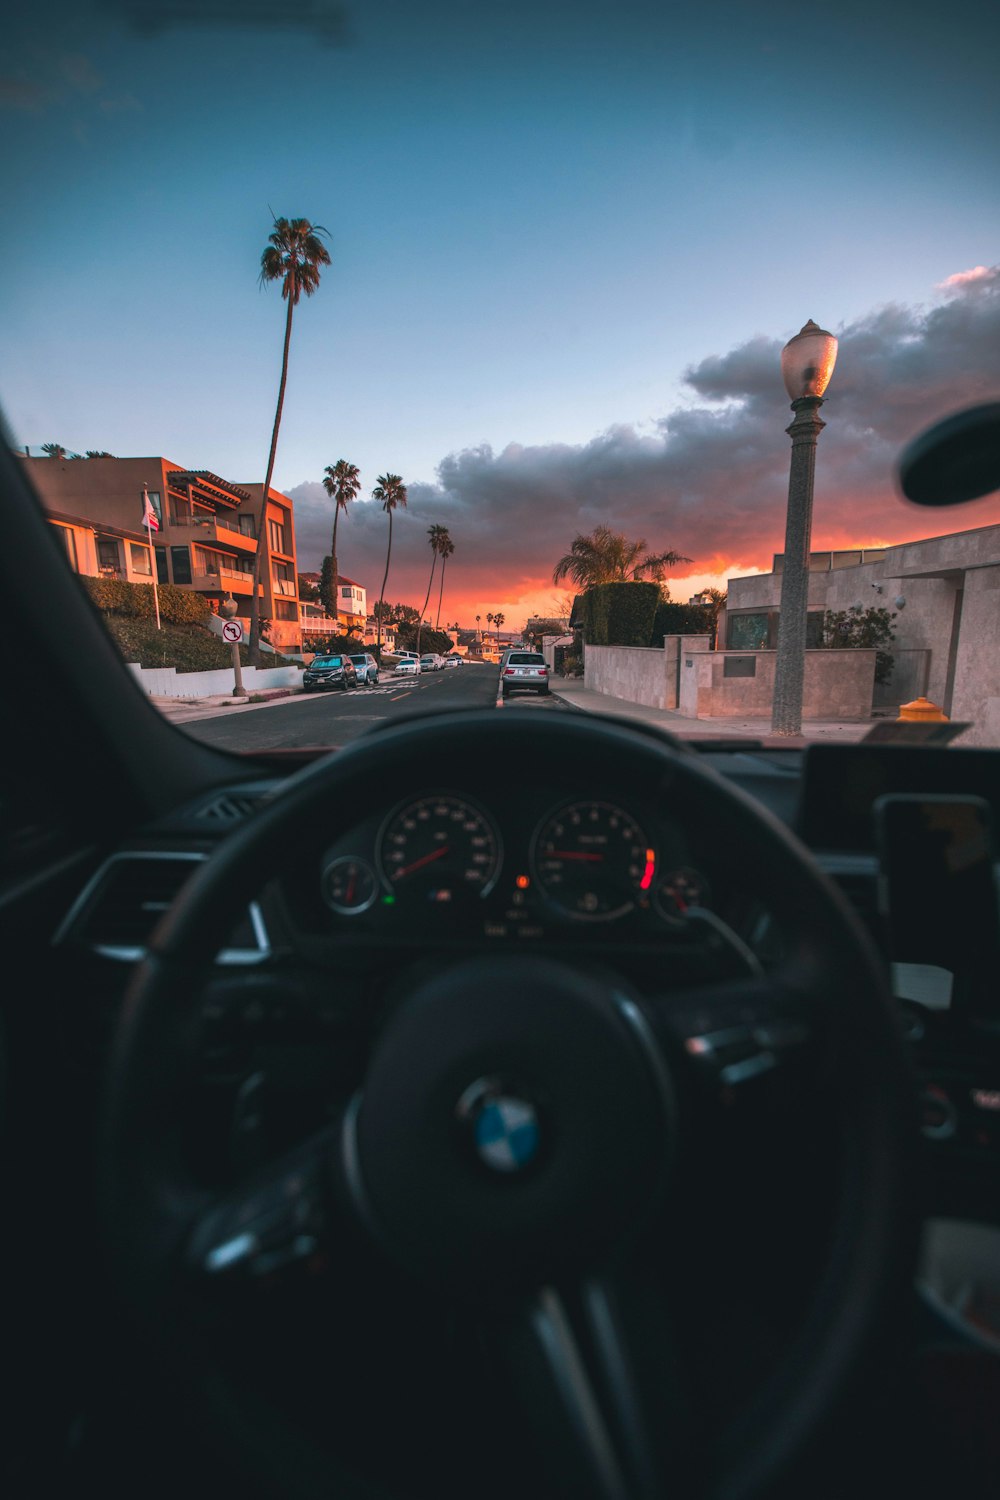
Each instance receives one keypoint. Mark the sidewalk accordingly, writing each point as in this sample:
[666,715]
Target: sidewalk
[572,692]
[185,710]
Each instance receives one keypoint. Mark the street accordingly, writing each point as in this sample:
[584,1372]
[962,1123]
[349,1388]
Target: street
[332,719]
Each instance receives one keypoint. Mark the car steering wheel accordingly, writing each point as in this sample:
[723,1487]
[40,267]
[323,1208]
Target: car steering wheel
[523,1140]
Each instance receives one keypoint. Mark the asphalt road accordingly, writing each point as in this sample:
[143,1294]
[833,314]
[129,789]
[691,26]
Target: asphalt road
[332,719]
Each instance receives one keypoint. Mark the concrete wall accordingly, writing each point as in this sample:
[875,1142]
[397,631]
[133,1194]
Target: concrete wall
[638,674]
[837,685]
[976,696]
[167,682]
[690,678]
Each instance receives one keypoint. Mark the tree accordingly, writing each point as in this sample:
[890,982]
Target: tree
[307,589]
[342,481]
[856,627]
[97,453]
[498,620]
[435,534]
[54,450]
[445,547]
[606,556]
[293,255]
[390,492]
[326,592]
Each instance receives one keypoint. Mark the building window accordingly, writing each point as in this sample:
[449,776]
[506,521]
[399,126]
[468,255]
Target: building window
[747,632]
[69,542]
[276,536]
[284,609]
[161,565]
[206,562]
[180,563]
[140,559]
[156,502]
[109,558]
[247,526]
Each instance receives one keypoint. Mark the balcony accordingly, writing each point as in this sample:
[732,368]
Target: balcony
[205,529]
[227,580]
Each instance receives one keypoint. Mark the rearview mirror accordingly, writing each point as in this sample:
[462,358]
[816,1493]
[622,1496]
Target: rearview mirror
[955,460]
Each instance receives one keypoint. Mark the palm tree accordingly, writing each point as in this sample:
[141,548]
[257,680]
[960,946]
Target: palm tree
[53,450]
[489,622]
[480,629]
[437,535]
[498,620]
[606,556]
[342,481]
[445,548]
[293,255]
[389,492]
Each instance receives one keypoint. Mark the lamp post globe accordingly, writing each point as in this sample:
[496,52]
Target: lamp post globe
[807,362]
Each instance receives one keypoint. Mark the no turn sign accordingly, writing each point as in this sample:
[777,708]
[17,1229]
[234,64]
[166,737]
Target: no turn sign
[232,631]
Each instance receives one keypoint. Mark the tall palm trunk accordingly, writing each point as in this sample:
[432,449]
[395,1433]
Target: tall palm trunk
[333,564]
[262,555]
[385,579]
[430,585]
[437,622]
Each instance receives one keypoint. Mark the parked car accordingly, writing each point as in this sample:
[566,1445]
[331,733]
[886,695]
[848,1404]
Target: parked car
[524,672]
[453,661]
[366,667]
[327,672]
[407,666]
[431,662]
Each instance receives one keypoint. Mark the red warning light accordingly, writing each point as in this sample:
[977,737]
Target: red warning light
[649,871]
[522,882]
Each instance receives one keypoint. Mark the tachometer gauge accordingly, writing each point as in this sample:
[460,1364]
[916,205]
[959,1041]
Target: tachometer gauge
[349,885]
[439,848]
[593,861]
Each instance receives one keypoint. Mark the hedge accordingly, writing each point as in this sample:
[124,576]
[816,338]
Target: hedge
[178,606]
[683,619]
[619,614]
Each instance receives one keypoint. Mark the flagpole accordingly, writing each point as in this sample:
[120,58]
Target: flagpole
[152,553]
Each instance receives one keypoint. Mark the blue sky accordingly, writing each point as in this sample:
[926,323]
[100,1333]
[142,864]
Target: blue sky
[542,219]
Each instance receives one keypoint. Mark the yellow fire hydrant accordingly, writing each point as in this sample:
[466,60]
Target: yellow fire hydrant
[922,709]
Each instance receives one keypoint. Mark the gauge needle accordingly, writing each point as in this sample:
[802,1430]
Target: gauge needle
[573,854]
[426,859]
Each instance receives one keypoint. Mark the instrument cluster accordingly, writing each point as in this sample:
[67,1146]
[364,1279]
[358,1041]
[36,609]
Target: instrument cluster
[444,858]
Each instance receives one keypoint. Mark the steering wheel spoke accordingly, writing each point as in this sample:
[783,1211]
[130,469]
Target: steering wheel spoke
[595,1370]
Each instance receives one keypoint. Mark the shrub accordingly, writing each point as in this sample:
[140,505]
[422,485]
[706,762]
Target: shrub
[619,614]
[178,606]
[856,628]
[683,619]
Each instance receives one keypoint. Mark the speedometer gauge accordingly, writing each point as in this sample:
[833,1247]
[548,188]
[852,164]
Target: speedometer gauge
[439,848]
[593,860]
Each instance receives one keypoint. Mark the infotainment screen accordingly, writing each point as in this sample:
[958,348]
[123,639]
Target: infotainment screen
[841,784]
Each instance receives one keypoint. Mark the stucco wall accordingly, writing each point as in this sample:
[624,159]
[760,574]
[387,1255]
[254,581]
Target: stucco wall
[167,682]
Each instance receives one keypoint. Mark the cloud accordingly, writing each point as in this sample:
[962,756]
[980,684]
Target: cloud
[708,479]
[966,278]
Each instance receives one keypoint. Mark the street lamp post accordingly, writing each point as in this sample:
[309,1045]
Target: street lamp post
[807,363]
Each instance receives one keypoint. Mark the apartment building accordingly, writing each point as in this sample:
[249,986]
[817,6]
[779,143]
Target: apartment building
[207,533]
[352,610]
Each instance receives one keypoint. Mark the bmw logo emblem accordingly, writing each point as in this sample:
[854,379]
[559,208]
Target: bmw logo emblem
[501,1124]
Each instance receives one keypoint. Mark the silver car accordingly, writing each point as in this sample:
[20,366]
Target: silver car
[366,667]
[523,672]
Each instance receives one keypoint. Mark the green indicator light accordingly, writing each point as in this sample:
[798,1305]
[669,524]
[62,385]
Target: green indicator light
[388,900]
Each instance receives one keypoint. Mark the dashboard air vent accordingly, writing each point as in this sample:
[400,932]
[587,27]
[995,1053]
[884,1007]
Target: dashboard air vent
[121,906]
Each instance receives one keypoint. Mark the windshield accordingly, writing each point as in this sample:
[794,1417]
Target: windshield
[498,349]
